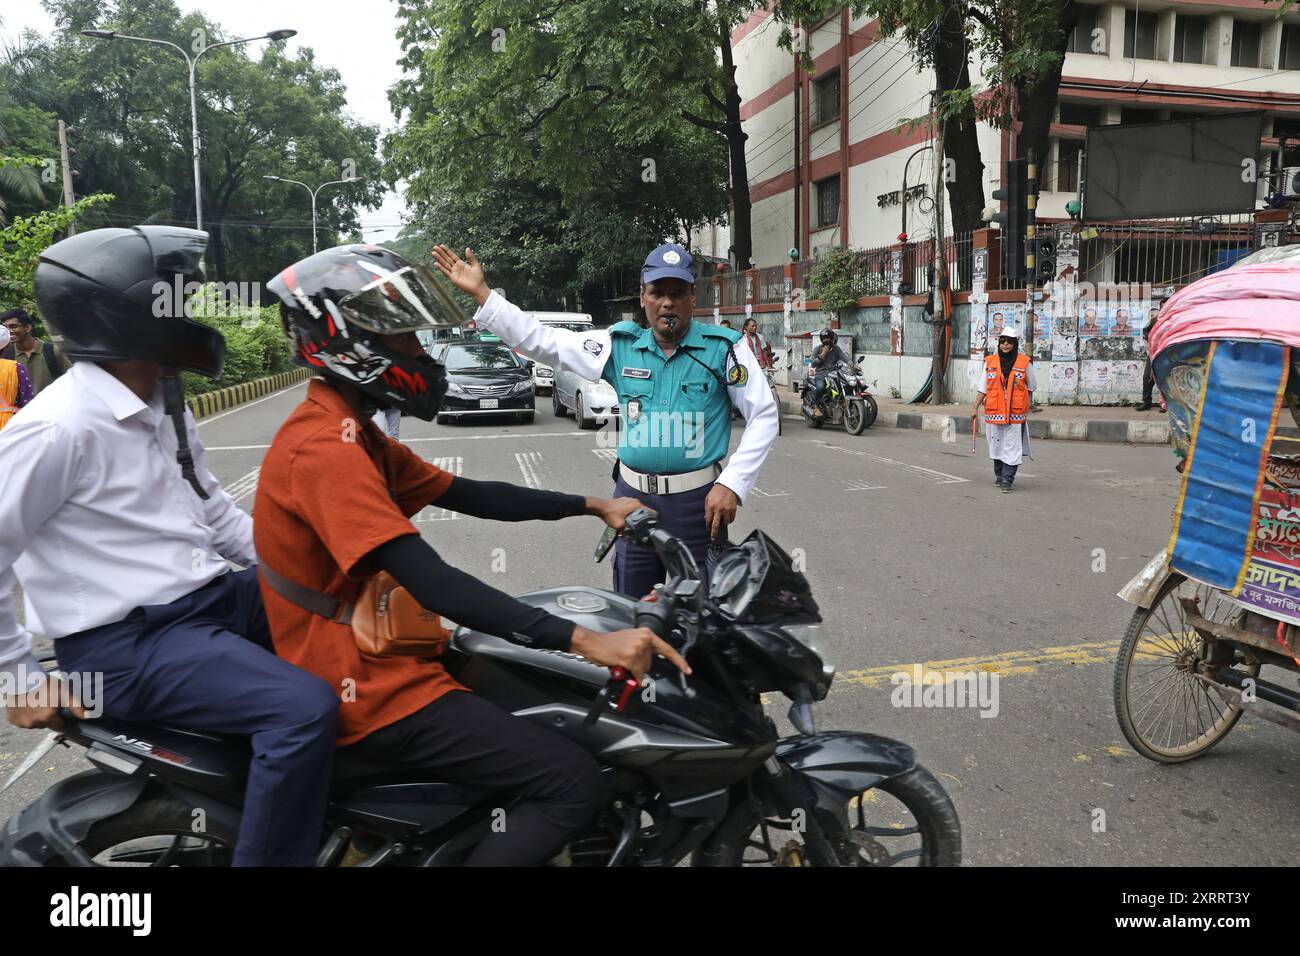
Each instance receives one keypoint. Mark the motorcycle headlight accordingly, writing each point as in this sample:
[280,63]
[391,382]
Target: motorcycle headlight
[805,634]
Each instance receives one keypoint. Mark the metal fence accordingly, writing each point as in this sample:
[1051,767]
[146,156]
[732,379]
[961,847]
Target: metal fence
[733,288]
[770,284]
[1165,252]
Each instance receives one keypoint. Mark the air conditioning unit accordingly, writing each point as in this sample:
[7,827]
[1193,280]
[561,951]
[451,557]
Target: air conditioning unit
[1290,185]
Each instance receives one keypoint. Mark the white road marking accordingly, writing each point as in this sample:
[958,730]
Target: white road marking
[410,441]
[240,408]
[758,492]
[861,486]
[241,488]
[941,477]
[529,462]
[606,454]
[455,465]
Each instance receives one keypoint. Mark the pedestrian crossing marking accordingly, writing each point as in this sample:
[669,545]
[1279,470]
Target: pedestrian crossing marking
[856,485]
[758,492]
[244,486]
[941,477]
[606,454]
[456,466]
[529,462]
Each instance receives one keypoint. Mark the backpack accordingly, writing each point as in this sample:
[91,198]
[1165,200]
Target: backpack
[51,360]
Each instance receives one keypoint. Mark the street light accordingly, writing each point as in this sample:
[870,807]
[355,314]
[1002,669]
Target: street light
[332,182]
[192,62]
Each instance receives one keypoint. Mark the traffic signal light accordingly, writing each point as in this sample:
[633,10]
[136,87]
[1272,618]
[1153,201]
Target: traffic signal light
[1045,259]
[1014,193]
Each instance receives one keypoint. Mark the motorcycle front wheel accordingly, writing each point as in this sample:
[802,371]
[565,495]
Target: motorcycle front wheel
[907,820]
[854,416]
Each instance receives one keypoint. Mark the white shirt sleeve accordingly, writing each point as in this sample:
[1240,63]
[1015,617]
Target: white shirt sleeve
[757,404]
[232,529]
[38,472]
[583,352]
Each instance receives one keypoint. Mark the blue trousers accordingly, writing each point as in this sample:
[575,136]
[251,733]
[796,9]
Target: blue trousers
[204,662]
[637,569]
[1004,473]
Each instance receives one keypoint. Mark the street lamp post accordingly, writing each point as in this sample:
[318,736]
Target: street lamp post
[192,62]
[332,182]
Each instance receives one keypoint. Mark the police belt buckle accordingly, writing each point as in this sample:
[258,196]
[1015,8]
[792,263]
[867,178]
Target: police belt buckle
[669,484]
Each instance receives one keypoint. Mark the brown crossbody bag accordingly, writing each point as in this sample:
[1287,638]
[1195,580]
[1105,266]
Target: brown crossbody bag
[386,620]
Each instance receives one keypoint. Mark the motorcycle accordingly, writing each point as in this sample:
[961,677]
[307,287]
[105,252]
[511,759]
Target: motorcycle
[845,399]
[695,768]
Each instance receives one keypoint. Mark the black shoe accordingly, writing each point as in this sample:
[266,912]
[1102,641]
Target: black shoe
[1143,407]
[1006,489]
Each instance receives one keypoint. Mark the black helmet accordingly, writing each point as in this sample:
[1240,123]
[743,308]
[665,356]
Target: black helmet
[120,294]
[828,333]
[337,304]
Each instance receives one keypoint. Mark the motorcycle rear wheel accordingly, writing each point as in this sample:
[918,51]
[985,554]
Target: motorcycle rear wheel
[157,830]
[920,794]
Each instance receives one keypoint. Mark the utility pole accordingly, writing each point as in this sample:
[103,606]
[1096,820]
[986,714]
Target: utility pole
[939,317]
[69,200]
[1031,249]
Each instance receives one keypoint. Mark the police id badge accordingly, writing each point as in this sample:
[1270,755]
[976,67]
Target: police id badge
[633,410]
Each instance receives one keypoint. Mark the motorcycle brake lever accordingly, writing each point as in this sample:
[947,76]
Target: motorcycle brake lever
[621,684]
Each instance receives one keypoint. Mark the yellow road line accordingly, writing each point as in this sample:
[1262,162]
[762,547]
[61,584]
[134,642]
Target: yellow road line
[1005,664]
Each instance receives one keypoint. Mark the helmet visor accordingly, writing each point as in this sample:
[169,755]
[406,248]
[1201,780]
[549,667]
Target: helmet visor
[402,300]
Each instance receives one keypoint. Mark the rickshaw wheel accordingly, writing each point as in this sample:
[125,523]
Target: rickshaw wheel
[1166,713]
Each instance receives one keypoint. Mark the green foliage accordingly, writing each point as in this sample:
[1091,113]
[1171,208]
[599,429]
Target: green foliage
[21,243]
[261,111]
[832,281]
[255,345]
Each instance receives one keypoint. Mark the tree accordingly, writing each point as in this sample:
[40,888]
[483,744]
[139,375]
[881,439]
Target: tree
[21,243]
[832,282]
[260,112]
[540,90]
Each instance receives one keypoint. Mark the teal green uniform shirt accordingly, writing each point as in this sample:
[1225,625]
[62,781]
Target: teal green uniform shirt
[676,413]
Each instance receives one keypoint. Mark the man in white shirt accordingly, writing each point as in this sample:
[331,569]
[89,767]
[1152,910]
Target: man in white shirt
[677,381]
[120,535]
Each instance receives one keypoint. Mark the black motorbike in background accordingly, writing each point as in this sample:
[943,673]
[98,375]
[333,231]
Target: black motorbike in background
[696,769]
[845,399]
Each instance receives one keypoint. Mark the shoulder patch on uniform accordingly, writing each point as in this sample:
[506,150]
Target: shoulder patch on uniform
[738,376]
[593,346]
[720,332]
[625,328]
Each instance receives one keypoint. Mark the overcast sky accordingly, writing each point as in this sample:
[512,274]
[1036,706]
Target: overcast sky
[356,37]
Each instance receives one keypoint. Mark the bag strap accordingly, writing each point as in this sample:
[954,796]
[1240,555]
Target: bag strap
[51,363]
[315,602]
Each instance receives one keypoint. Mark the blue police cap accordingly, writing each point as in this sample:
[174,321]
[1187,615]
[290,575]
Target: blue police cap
[669,261]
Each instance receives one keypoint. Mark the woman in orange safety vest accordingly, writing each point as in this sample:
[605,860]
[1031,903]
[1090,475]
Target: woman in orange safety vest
[1006,391]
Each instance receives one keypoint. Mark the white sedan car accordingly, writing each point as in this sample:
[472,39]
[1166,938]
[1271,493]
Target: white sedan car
[591,402]
[544,375]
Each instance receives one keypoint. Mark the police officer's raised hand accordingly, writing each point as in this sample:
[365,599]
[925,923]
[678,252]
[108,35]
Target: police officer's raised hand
[720,509]
[464,275]
[614,511]
[633,650]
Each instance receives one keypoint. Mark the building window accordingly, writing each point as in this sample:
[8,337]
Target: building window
[1245,42]
[826,97]
[1290,46]
[1189,39]
[1080,114]
[1140,35]
[828,202]
[1067,165]
[1081,39]
[1135,115]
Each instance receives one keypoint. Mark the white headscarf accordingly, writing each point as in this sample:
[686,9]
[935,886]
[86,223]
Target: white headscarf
[4,338]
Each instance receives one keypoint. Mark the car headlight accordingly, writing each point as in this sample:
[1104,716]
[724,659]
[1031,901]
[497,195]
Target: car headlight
[454,389]
[522,387]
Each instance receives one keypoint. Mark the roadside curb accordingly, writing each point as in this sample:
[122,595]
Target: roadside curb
[1114,431]
[209,403]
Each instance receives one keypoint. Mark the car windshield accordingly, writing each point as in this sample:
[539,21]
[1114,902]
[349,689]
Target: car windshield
[460,358]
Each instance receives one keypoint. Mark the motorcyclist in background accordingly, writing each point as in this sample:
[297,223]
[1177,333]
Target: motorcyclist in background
[334,506]
[826,358]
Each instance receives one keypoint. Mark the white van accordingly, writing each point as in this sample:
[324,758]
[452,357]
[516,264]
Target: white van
[544,375]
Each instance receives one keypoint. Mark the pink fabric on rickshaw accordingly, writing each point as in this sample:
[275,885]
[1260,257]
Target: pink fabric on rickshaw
[1252,300]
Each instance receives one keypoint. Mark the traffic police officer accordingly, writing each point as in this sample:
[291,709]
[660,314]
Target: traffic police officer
[677,381]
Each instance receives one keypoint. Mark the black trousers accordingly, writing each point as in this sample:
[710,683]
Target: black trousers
[1148,382]
[462,738]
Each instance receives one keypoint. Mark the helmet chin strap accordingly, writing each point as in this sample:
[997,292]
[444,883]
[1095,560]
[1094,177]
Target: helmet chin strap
[174,406]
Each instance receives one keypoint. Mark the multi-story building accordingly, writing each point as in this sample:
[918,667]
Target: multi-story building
[829,164]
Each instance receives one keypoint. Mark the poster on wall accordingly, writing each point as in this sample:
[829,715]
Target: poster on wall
[895,325]
[979,327]
[1126,376]
[975,371]
[1094,377]
[1067,253]
[979,272]
[1063,381]
[1042,333]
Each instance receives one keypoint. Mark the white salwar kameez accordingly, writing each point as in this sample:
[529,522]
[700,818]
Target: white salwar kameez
[1009,443]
